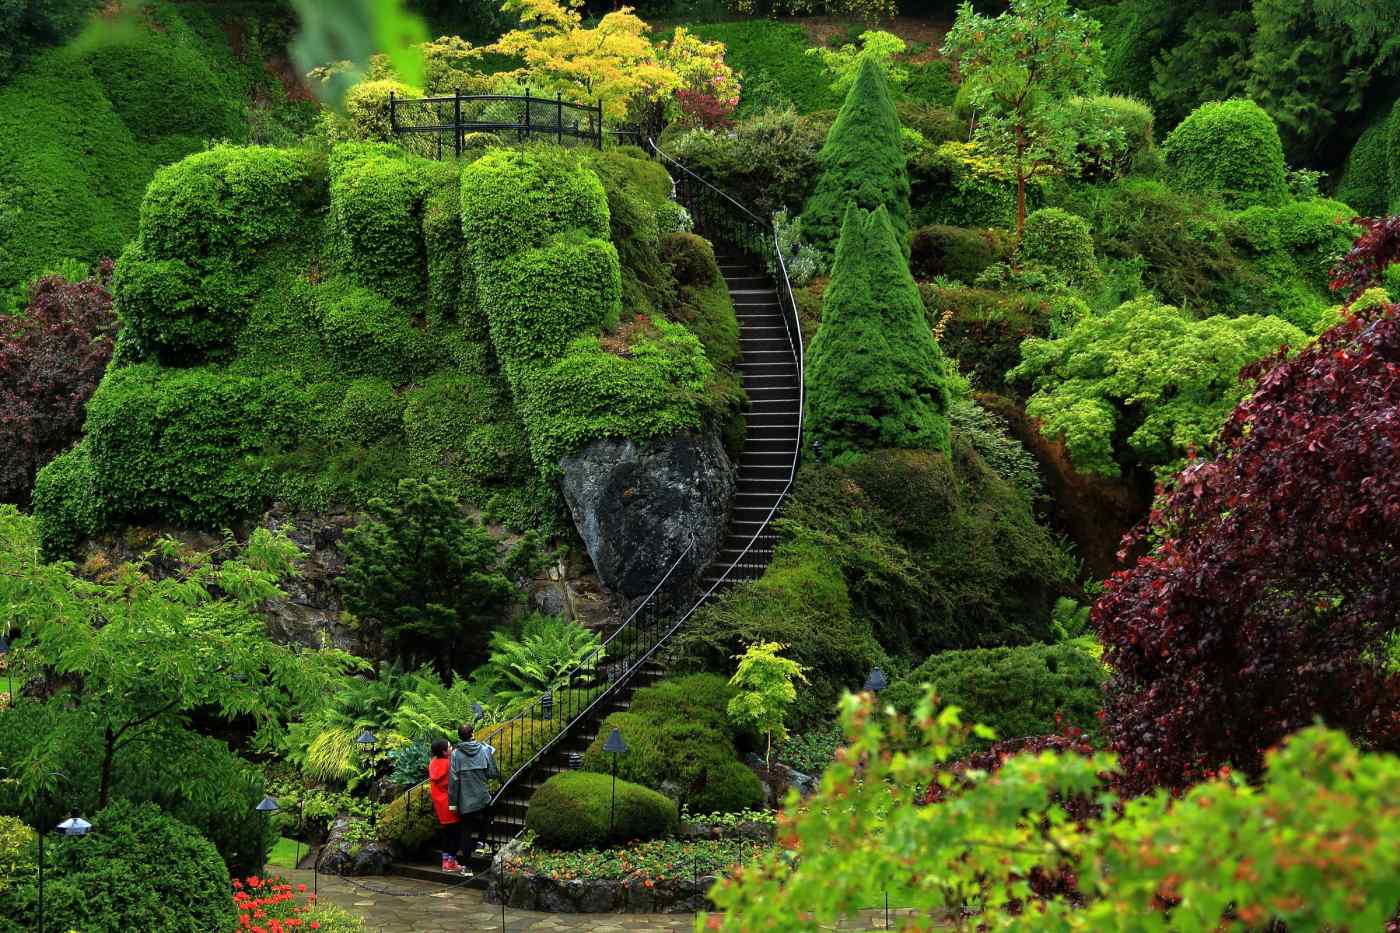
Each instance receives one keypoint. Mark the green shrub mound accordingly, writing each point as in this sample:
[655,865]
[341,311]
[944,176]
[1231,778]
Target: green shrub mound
[1229,147]
[951,186]
[83,126]
[1023,691]
[1365,182]
[1135,389]
[680,742]
[313,329]
[1128,123]
[575,810]
[1061,242]
[876,377]
[376,227]
[862,165]
[136,868]
[409,823]
[1392,148]
[957,252]
[983,328]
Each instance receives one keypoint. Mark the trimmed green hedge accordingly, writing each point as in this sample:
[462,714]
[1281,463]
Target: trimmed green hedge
[575,810]
[1061,242]
[66,506]
[957,252]
[1230,147]
[1365,182]
[1016,691]
[376,221]
[184,445]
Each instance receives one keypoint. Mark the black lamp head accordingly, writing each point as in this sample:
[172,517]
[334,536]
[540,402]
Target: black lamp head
[876,681]
[477,712]
[365,738]
[267,805]
[75,825]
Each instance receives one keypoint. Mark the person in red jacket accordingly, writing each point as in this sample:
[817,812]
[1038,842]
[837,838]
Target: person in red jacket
[447,818]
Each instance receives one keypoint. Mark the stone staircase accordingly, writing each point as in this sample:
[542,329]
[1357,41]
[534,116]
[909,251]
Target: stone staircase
[771,367]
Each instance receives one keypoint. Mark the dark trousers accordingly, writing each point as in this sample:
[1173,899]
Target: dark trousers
[473,830]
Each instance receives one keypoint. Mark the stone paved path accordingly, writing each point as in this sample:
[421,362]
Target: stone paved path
[405,905]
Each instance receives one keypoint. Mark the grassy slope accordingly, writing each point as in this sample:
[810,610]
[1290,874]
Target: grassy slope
[84,126]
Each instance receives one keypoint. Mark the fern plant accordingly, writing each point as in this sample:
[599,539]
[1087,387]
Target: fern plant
[539,660]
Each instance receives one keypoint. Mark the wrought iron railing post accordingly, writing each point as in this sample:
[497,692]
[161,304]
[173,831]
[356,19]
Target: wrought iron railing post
[457,122]
[393,116]
[526,136]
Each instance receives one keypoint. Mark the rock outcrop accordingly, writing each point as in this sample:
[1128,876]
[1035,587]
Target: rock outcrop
[638,506]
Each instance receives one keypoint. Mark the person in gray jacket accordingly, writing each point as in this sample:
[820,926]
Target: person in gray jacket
[473,764]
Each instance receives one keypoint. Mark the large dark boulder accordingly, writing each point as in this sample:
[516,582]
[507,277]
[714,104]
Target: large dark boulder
[639,505]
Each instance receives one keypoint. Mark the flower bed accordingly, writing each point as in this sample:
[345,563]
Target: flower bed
[273,905]
[660,876]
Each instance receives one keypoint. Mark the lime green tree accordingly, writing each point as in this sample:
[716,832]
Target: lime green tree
[1145,384]
[1313,845]
[862,163]
[877,377]
[1021,70]
[767,687]
[425,575]
[140,647]
[844,63]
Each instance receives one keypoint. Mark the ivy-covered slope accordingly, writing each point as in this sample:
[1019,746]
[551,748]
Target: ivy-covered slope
[83,126]
[311,329]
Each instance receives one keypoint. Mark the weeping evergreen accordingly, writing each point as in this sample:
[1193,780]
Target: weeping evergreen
[875,377]
[862,164]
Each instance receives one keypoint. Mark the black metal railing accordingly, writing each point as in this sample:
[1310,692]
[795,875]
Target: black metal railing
[436,126]
[524,741]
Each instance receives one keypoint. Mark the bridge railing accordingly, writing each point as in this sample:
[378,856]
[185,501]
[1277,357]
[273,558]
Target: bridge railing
[436,126]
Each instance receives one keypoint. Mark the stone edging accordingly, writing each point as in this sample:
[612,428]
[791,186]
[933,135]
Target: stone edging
[529,890]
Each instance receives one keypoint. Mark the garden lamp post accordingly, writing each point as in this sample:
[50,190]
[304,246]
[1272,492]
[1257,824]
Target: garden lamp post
[614,746]
[876,681]
[267,806]
[367,743]
[75,825]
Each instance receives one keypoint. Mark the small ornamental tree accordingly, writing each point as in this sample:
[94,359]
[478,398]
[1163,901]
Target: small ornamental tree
[51,359]
[425,576]
[766,689]
[1270,600]
[1021,70]
[877,377]
[862,163]
[1311,846]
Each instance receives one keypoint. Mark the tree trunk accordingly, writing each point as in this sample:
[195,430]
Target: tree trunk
[1020,182]
[109,750]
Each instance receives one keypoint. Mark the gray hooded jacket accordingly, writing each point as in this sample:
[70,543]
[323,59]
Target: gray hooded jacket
[473,764]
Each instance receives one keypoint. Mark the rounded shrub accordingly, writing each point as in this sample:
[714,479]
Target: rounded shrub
[185,445]
[730,788]
[227,202]
[691,258]
[376,221]
[539,300]
[463,427]
[1124,124]
[66,508]
[1018,692]
[573,811]
[513,199]
[371,411]
[1365,182]
[367,109]
[368,335]
[174,311]
[1231,147]
[1062,242]
[698,698]
[409,823]
[136,869]
[957,252]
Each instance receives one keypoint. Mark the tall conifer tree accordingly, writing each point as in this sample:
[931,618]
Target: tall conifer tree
[877,377]
[862,162]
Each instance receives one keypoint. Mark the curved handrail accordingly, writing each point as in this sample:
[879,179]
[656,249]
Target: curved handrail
[626,641]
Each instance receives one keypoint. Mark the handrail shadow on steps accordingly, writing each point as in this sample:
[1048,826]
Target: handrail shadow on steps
[536,731]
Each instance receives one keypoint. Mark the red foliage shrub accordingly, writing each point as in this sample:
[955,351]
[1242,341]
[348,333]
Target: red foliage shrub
[51,358]
[1274,592]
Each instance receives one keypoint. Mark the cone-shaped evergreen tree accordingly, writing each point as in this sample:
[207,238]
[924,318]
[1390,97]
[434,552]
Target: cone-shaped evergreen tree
[862,164]
[876,377]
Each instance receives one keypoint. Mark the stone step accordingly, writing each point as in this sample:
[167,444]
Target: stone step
[764,380]
[777,345]
[741,282]
[737,542]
